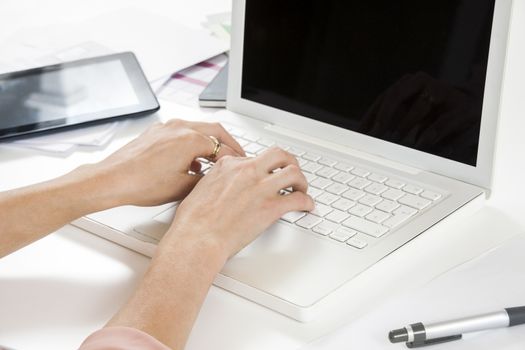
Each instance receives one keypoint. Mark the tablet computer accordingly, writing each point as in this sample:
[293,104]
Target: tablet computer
[72,94]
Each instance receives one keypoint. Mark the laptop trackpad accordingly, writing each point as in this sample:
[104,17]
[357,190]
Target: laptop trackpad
[295,265]
[287,262]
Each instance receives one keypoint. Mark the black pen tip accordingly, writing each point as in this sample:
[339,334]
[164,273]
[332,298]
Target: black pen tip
[398,335]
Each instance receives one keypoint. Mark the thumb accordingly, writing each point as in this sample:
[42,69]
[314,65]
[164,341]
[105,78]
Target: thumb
[188,182]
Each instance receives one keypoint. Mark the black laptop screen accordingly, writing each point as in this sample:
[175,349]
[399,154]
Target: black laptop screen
[410,72]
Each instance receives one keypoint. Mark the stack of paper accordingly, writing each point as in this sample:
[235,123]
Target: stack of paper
[63,143]
[184,87]
[161,45]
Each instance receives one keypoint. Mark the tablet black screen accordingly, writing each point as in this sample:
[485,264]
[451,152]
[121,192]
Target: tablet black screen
[70,93]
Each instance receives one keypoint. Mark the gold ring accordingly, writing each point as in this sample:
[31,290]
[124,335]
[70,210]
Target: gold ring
[216,149]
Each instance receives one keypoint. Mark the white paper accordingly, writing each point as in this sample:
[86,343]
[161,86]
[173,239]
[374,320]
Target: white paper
[488,283]
[66,142]
[162,46]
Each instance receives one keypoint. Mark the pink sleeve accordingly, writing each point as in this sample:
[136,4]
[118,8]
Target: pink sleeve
[121,338]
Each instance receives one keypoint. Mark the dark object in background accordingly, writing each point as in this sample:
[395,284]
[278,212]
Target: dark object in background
[72,94]
[215,93]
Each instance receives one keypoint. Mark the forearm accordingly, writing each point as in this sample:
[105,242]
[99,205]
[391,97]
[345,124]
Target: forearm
[30,213]
[168,300]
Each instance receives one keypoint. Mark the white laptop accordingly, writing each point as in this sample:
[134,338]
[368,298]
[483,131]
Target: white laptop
[391,108]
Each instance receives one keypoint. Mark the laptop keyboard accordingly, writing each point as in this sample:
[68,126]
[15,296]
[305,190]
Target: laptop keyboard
[354,205]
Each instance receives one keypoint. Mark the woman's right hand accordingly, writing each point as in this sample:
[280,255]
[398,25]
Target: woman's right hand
[239,198]
[236,201]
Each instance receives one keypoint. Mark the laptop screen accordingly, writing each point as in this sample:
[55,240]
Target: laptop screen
[410,72]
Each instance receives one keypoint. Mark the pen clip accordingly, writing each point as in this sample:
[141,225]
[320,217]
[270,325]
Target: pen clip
[419,344]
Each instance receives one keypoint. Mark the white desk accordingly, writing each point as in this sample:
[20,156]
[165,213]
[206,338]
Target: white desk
[57,291]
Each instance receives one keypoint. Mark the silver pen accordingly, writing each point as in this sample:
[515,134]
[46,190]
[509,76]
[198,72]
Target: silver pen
[418,334]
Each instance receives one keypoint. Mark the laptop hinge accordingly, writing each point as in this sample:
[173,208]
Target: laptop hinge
[340,148]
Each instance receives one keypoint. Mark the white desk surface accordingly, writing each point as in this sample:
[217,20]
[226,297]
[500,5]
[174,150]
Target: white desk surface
[57,291]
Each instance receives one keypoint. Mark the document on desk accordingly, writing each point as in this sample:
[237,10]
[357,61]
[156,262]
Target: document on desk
[162,45]
[492,281]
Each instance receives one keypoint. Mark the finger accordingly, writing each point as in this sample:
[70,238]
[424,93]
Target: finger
[225,151]
[289,176]
[204,146]
[196,167]
[295,201]
[217,130]
[275,158]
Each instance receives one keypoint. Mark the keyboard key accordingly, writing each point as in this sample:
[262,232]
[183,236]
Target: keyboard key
[414,201]
[266,142]
[370,200]
[360,172]
[327,172]
[302,162]
[360,210]
[324,228]
[343,167]
[343,234]
[353,194]
[377,178]
[357,243]
[395,184]
[343,204]
[242,142]
[235,131]
[396,220]
[377,216]
[311,156]
[412,189]
[337,216]
[296,151]
[283,146]
[309,221]
[404,210]
[365,226]
[250,137]
[387,206]
[327,162]
[321,210]
[393,194]
[253,148]
[359,183]
[343,177]
[293,216]
[309,177]
[337,189]
[321,183]
[313,192]
[326,198]
[376,188]
[312,167]
[431,195]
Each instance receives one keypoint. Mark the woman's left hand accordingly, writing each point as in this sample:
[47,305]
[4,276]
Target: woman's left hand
[153,169]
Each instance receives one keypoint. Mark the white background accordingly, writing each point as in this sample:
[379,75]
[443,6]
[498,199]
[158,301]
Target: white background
[57,291]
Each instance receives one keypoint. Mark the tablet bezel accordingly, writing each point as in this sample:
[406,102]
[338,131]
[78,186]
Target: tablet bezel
[147,100]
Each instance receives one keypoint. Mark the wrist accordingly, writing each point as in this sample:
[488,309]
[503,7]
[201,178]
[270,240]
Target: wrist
[211,252]
[91,187]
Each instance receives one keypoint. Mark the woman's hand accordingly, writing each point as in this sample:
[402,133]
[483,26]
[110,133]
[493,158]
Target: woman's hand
[153,169]
[236,201]
[241,197]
